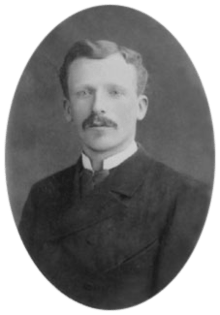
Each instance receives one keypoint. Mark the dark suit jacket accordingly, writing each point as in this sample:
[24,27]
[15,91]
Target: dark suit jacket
[122,243]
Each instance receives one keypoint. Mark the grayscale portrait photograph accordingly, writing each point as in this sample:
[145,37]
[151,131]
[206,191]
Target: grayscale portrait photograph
[110,157]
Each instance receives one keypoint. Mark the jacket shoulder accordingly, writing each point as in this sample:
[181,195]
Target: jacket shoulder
[56,182]
[169,178]
[170,190]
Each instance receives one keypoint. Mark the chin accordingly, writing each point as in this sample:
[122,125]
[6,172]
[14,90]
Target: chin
[103,145]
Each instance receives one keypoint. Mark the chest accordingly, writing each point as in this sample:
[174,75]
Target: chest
[104,231]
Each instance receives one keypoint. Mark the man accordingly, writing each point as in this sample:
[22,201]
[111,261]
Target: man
[114,229]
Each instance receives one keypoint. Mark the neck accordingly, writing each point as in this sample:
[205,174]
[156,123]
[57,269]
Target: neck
[97,157]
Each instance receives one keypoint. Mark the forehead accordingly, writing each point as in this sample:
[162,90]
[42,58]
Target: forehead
[113,70]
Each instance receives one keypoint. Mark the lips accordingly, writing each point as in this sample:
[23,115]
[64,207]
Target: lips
[96,125]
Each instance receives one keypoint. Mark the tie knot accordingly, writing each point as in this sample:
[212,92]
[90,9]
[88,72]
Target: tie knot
[99,176]
[89,180]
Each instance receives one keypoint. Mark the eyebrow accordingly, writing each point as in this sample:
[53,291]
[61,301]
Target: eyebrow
[116,86]
[107,85]
[83,86]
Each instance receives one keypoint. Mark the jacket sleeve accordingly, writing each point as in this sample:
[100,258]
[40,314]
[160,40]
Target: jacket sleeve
[26,226]
[181,232]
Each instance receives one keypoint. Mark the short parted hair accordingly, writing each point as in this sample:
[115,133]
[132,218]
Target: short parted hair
[101,49]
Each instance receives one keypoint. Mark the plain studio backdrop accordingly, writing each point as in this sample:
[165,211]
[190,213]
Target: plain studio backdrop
[176,130]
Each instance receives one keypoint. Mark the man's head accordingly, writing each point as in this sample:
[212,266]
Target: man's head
[103,85]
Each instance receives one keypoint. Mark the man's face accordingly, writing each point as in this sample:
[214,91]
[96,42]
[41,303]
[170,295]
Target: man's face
[103,103]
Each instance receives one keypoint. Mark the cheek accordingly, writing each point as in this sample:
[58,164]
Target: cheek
[80,113]
[126,112]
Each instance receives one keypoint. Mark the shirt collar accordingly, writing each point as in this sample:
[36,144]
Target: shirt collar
[113,160]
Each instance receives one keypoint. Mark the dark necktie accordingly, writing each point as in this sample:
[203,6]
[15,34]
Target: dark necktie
[91,179]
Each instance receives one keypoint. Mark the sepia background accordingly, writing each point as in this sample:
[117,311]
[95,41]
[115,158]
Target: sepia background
[177,129]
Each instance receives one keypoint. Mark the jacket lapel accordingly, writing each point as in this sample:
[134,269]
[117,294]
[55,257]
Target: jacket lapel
[130,175]
[111,198]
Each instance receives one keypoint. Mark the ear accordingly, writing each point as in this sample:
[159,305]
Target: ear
[142,107]
[67,110]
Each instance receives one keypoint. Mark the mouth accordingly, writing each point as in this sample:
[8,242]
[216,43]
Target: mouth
[99,125]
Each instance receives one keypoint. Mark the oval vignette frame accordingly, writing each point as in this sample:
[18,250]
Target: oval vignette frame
[32,143]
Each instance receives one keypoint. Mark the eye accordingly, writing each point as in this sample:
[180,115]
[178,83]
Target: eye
[115,93]
[84,93]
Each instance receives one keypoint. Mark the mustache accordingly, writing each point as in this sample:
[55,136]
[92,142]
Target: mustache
[98,120]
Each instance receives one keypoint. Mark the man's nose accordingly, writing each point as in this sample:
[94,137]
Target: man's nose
[99,103]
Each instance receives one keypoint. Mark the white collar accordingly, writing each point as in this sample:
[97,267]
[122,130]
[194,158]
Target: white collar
[113,160]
